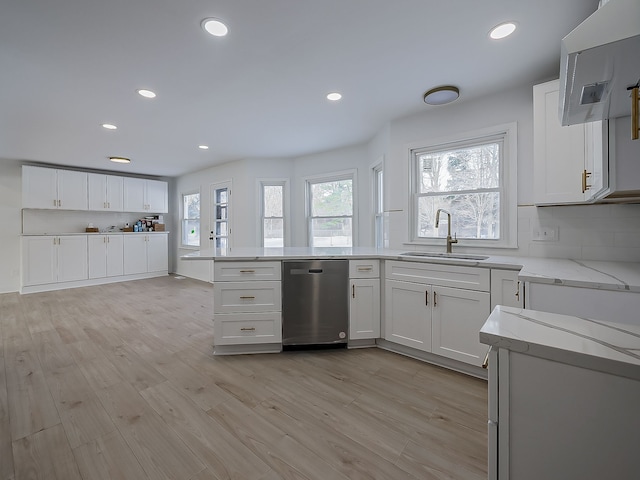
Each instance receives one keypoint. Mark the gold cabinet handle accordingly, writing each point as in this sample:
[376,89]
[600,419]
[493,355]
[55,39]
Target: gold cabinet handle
[55,203]
[365,269]
[353,291]
[485,363]
[247,271]
[435,299]
[59,203]
[246,297]
[248,329]
[585,186]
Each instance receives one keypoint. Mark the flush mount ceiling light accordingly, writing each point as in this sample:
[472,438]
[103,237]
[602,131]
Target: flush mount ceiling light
[203,147]
[334,96]
[441,95]
[120,159]
[503,30]
[146,93]
[214,27]
[109,126]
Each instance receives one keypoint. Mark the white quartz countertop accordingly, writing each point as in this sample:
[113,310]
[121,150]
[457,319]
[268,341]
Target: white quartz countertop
[623,276]
[597,345]
[91,233]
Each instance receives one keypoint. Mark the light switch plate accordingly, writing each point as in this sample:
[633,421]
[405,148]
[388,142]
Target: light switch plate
[545,234]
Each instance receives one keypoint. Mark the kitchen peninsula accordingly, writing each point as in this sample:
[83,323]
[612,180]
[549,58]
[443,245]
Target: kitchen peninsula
[433,307]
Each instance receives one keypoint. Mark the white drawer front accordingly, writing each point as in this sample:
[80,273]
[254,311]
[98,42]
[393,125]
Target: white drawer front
[247,328]
[470,278]
[364,268]
[238,297]
[241,271]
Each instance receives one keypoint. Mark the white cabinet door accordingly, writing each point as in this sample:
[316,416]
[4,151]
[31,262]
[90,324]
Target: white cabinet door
[135,254]
[408,314]
[364,309]
[506,289]
[134,195]
[563,155]
[39,187]
[156,196]
[97,185]
[458,316]
[72,190]
[38,260]
[157,253]
[115,255]
[105,192]
[97,255]
[72,258]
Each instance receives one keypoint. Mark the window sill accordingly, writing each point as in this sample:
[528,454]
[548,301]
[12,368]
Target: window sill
[484,244]
[189,247]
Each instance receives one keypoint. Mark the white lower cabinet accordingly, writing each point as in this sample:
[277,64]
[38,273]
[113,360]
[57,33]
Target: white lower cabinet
[408,314]
[429,313]
[53,259]
[456,319]
[506,289]
[364,300]
[106,255]
[364,309]
[247,307]
[145,253]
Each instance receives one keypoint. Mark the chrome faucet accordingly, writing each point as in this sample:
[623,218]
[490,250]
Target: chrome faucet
[450,240]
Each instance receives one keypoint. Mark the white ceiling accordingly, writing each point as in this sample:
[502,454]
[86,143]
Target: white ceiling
[67,66]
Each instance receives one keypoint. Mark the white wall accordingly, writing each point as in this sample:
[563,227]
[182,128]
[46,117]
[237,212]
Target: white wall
[10,222]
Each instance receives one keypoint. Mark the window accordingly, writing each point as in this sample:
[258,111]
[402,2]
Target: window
[272,214]
[191,220]
[378,208]
[221,199]
[470,179]
[330,211]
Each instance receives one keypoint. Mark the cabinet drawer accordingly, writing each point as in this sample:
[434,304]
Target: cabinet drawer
[241,271]
[238,297]
[469,278]
[247,328]
[364,268]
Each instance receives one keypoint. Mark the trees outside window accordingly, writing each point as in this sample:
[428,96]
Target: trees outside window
[191,220]
[469,179]
[330,210]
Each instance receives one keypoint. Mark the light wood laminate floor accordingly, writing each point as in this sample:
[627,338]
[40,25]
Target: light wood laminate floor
[118,382]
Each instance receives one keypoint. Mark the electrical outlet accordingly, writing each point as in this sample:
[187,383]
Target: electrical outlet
[545,234]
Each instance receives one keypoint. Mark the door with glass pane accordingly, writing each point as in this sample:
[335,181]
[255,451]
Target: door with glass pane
[220,216]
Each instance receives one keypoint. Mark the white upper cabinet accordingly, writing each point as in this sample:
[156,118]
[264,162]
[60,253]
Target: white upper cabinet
[570,163]
[106,192]
[141,195]
[49,188]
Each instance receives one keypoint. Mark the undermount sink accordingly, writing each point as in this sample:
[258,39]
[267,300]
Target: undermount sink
[454,256]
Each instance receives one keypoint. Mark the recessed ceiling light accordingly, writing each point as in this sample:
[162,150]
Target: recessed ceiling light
[441,95]
[120,159]
[334,96]
[146,93]
[503,30]
[214,27]
[109,126]
[203,147]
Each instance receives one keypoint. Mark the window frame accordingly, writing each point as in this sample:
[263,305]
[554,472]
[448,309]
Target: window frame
[270,182]
[183,220]
[507,189]
[377,203]
[227,184]
[326,178]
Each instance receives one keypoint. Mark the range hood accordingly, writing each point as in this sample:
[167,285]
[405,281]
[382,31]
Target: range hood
[600,60]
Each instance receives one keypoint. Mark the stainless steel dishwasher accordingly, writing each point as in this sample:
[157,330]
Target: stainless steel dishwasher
[315,309]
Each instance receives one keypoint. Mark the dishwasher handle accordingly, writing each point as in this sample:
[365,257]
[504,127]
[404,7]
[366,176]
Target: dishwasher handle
[305,271]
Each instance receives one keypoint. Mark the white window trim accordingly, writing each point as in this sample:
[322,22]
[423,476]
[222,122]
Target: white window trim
[352,175]
[509,194]
[182,219]
[376,167]
[262,182]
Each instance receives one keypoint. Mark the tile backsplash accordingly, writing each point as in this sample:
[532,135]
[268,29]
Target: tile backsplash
[586,232]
